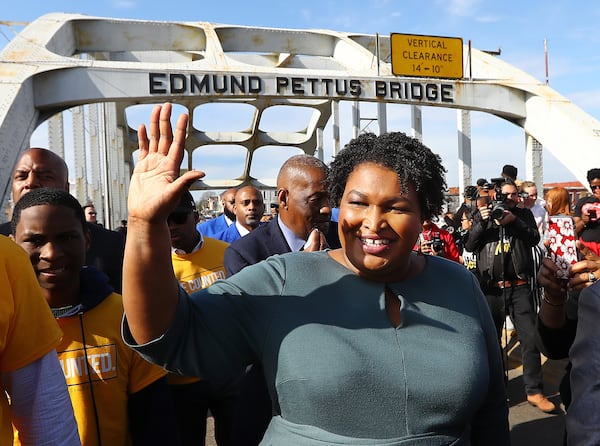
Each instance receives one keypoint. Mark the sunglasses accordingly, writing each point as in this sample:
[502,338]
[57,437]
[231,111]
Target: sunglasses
[178,217]
[594,187]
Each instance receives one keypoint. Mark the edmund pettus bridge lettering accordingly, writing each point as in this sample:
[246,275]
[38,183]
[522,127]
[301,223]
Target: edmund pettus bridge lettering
[193,84]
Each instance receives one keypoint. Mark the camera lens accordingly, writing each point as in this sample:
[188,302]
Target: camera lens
[497,212]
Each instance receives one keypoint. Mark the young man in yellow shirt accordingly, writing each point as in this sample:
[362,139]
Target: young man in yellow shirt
[118,398]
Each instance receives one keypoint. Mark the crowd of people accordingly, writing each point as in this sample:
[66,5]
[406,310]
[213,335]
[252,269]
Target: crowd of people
[352,311]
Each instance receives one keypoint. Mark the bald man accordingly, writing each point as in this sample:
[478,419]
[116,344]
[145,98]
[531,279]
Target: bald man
[38,167]
[249,208]
[303,223]
[214,226]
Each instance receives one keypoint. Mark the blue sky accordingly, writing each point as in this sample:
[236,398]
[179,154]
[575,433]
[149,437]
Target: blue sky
[517,27]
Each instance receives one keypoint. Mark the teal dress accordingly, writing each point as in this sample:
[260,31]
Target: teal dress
[338,372]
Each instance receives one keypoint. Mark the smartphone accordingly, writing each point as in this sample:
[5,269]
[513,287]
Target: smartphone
[562,248]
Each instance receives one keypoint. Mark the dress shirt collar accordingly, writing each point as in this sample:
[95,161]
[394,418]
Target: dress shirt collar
[243,231]
[294,242]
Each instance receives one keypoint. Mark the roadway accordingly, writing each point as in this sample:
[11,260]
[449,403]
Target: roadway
[529,425]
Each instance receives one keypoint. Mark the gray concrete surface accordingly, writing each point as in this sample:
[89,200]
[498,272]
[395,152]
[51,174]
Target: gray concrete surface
[528,425]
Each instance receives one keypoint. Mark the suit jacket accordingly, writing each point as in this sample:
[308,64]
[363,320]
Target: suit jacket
[5,229]
[212,227]
[105,252]
[263,242]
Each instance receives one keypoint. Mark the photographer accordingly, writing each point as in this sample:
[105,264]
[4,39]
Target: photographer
[502,236]
[587,214]
[463,217]
[467,258]
[437,241]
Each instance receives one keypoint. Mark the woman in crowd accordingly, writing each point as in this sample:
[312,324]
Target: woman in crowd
[558,201]
[368,344]
[558,315]
[587,213]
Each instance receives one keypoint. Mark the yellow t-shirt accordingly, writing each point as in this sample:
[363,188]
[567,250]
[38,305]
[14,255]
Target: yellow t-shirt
[201,268]
[196,271]
[116,371]
[28,331]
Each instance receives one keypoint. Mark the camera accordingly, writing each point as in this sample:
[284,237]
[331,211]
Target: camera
[495,183]
[437,244]
[471,193]
[591,209]
[497,211]
[497,206]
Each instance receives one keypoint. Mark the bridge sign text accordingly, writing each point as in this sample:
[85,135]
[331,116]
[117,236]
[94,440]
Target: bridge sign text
[427,56]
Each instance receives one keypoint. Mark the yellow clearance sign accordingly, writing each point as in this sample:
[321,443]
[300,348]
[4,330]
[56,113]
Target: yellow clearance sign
[427,56]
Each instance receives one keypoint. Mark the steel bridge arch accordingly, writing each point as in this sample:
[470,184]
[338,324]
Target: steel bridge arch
[62,61]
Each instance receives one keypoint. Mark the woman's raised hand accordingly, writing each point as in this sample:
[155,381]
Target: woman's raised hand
[155,186]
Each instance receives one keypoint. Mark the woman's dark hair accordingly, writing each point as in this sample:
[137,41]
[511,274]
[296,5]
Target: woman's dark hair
[413,162]
[47,196]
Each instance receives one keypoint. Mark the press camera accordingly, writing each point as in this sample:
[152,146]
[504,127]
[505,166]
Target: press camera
[436,244]
[497,200]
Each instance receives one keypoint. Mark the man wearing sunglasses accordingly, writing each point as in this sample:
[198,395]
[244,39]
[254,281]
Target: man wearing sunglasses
[197,263]
[502,237]
[587,214]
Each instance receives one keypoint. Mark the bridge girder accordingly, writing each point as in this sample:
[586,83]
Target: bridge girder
[63,60]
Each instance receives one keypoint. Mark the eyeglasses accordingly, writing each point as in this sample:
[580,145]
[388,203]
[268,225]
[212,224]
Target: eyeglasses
[595,186]
[92,213]
[178,218]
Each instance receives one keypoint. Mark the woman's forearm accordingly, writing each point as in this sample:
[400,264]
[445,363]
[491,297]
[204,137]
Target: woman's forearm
[150,288]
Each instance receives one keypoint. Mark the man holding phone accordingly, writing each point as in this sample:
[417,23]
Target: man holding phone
[587,214]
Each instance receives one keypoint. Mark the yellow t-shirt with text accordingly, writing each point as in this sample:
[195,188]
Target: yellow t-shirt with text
[196,271]
[115,371]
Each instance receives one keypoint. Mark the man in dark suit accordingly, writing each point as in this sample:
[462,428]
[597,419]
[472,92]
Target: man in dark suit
[38,168]
[302,224]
